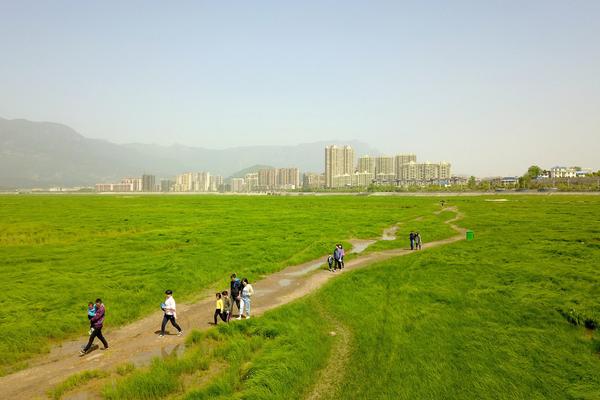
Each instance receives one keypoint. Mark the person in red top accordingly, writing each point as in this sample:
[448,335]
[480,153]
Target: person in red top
[97,322]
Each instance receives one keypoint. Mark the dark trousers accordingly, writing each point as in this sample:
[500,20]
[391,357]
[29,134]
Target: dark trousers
[223,315]
[338,264]
[166,319]
[412,244]
[96,334]
[236,302]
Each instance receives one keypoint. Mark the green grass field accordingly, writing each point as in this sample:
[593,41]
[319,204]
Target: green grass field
[512,314]
[59,252]
[503,316]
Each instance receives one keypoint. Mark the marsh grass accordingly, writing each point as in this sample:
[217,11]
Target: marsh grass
[467,320]
[73,382]
[59,252]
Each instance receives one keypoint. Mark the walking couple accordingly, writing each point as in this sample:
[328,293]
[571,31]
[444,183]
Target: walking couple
[415,240]
[336,261]
[241,295]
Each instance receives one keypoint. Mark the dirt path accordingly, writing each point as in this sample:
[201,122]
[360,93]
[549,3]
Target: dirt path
[139,343]
[330,377]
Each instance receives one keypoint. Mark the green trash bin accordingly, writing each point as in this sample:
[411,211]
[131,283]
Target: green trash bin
[470,235]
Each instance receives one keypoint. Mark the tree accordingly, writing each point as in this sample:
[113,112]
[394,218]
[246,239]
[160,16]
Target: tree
[534,171]
[472,183]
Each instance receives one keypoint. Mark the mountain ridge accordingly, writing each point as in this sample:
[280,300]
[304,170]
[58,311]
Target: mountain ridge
[44,154]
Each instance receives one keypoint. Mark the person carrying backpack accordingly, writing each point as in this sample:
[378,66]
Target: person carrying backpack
[235,289]
[336,257]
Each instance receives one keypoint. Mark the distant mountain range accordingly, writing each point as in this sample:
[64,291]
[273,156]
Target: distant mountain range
[43,154]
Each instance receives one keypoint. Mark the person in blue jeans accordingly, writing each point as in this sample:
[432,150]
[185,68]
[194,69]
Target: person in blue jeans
[247,293]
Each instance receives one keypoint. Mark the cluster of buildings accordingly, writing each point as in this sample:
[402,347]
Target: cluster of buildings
[147,183]
[399,170]
[565,172]
[342,170]
[267,179]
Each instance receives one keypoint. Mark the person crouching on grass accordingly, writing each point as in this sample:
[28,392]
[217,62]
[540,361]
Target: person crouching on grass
[97,322]
[220,309]
[170,309]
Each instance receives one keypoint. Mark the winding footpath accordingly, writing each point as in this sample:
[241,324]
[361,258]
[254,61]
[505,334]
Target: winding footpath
[139,343]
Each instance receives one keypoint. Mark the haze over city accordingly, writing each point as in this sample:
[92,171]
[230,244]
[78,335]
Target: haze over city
[491,88]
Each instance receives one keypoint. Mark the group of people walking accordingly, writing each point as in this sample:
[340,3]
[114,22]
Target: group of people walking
[240,295]
[415,240]
[336,260]
[241,292]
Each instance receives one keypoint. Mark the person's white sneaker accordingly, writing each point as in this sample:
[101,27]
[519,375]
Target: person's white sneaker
[238,318]
[248,317]
[161,335]
[180,333]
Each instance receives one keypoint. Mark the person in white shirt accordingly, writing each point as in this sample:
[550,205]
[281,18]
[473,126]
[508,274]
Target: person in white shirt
[170,309]
[247,293]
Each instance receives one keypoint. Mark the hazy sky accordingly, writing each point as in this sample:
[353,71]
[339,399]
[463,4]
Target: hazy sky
[489,86]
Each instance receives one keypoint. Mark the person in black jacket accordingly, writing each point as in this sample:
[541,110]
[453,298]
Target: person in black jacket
[235,290]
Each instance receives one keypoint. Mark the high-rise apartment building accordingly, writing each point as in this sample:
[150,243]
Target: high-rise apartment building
[362,179]
[251,180]
[148,183]
[313,180]
[424,172]
[136,183]
[192,182]
[288,178]
[385,171]
[215,183]
[366,164]
[267,178]
[166,185]
[237,185]
[339,166]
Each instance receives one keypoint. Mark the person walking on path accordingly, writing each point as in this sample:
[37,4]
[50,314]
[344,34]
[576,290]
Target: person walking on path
[247,293]
[97,322]
[336,258]
[220,308]
[418,241]
[412,240]
[342,254]
[330,263]
[235,288]
[227,305]
[170,309]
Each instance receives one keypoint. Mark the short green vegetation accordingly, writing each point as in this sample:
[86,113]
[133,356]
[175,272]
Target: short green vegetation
[74,381]
[59,252]
[490,318]
[511,314]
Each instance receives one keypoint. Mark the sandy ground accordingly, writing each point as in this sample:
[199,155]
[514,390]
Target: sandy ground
[138,342]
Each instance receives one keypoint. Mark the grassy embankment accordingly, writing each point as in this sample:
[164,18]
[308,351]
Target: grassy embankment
[59,252]
[503,316]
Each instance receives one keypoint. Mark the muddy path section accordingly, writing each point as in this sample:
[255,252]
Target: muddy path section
[138,342]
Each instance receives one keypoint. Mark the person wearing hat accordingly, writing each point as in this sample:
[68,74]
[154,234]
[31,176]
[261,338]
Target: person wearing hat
[170,309]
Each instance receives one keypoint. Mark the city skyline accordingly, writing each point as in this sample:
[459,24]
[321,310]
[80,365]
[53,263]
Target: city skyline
[493,85]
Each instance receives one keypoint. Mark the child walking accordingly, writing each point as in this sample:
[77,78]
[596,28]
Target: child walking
[219,308]
[227,304]
[91,313]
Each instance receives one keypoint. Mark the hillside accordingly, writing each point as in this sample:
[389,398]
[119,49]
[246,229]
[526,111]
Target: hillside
[42,154]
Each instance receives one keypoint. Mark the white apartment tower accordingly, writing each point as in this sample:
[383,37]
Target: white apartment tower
[339,166]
